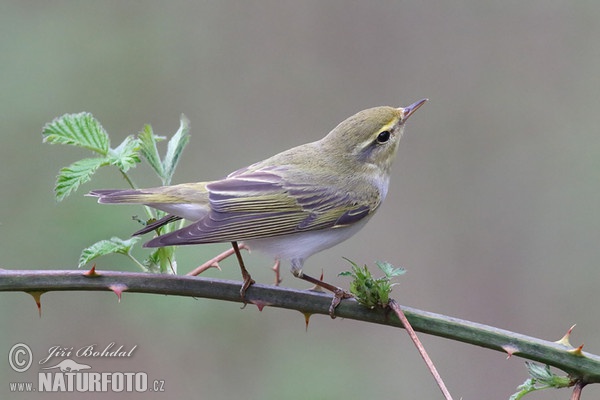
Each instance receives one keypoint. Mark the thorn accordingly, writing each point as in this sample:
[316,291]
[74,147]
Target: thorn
[275,269]
[260,304]
[318,288]
[118,289]
[510,350]
[577,351]
[37,297]
[307,319]
[92,272]
[565,339]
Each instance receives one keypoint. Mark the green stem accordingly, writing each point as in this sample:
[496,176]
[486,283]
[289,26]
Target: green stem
[582,366]
[149,211]
[139,264]
[129,181]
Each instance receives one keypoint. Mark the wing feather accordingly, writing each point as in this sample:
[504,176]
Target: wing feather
[258,204]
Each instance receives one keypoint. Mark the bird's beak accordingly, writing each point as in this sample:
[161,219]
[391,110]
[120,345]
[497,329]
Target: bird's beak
[408,111]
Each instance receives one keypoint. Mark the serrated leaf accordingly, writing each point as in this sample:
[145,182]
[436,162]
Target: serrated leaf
[126,154]
[175,148]
[148,148]
[539,372]
[525,388]
[541,378]
[544,375]
[389,270]
[82,130]
[114,245]
[69,178]
[371,292]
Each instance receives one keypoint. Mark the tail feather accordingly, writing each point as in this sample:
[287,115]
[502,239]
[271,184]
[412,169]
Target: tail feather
[181,202]
[131,196]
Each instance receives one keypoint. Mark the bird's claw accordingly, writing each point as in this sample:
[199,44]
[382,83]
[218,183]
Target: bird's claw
[248,281]
[338,295]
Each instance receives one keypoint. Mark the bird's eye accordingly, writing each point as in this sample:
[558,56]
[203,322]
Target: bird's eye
[383,137]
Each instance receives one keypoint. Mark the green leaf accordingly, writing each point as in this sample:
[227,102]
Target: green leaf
[126,155]
[541,378]
[363,286]
[371,292]
[148,140]
[175,148]
[81,130]
[526,387]
[162,259]
[113,246]
[389,270]
[69,178]
[165,168]
[544,376]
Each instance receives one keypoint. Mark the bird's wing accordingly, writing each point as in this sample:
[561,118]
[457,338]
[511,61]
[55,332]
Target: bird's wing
[261,203]
[152,226]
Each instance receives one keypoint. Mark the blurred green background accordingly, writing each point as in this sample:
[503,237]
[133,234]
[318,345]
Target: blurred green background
[493,207]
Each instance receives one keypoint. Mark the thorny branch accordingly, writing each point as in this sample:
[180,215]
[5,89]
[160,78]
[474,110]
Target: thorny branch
[582,366]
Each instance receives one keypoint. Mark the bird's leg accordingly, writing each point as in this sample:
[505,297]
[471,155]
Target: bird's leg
[214,262]
[245,275]
[275,268]
[338,293]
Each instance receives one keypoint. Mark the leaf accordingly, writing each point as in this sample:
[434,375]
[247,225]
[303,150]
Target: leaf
[162,259]
[113,246]
[81,130]
[541,378]
[69,178]
[165,168]
[371,292]
[148,140]
[544,376]
[175,148]
[389,270]
[126,155]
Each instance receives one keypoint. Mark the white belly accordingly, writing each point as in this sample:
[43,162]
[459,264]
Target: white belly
[298,247]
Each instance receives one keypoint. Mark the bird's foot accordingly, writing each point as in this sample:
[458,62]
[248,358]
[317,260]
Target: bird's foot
[245,274]
[248,281]
[338,293]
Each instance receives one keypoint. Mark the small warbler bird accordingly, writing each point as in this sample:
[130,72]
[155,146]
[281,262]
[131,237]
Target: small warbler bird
[292,205]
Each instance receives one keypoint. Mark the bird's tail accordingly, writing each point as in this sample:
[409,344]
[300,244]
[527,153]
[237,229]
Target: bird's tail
[127,196]
[189,201]
[194,193]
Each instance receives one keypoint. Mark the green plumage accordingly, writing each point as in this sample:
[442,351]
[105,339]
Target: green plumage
[329,184]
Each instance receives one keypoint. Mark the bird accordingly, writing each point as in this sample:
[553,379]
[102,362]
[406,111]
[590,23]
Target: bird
[291,205]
